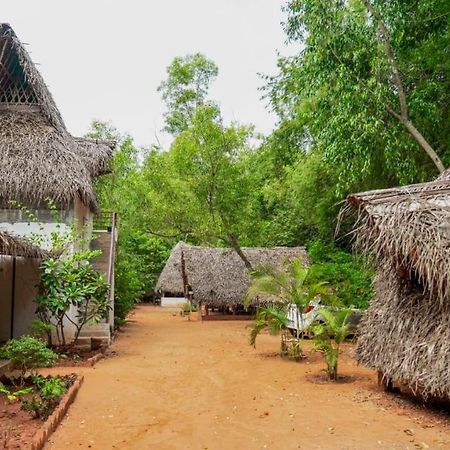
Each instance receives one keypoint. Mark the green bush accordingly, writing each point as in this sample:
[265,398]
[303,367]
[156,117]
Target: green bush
[50,389]
[27,353]
[349,279]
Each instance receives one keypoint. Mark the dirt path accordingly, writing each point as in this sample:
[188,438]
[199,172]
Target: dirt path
[175,384]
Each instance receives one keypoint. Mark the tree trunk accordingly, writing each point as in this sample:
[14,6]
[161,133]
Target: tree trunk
[403,117]
[237,248]
[425,145]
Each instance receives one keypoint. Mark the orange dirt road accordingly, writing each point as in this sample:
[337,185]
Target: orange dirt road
[174,384]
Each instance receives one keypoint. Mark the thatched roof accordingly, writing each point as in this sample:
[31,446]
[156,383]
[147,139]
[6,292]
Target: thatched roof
[11,245]
[39,159]
[96,155]
[218,276]
[406,332]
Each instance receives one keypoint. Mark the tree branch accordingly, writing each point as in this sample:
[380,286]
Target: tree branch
[403,117]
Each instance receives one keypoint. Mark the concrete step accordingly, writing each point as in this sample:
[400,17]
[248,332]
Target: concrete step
[102,326]
[5,366]
[96,334]
[86,342]
[96,330]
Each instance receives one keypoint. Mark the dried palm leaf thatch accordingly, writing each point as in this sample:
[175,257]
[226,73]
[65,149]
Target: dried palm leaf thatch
[20,81]
[11,245]
[406,332]
[96,155]
[39,159]
[411,226]
[37,163]
[218,276]
[171,277]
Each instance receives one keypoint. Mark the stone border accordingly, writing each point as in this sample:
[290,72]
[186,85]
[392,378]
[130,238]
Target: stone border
[50,425]
[94,359]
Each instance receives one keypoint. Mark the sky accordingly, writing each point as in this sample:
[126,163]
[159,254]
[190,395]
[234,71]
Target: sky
[104,59]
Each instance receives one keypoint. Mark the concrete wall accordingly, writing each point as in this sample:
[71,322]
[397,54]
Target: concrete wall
[27,270]
[5,297]
[18,222]
[83,218]
[26,281]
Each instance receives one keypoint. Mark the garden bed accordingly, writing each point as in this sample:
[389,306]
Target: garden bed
[19,429]
[80,357]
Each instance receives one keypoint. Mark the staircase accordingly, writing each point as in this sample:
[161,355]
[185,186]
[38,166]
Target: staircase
[104,239]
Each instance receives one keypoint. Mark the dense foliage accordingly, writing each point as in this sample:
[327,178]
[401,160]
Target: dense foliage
[362,105]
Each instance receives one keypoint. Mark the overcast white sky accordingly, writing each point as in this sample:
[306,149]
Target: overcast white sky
[104,59]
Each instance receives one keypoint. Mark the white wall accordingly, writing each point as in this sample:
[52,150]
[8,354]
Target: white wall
[171,302]
[27,270]
[18,223]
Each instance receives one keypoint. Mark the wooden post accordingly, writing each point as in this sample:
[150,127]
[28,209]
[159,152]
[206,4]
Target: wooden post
[206,310]
[13,297]
[199,311]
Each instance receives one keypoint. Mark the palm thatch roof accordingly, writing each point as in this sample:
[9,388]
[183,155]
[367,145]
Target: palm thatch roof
[406,332]
[39,159]
[218,276]
[11,245]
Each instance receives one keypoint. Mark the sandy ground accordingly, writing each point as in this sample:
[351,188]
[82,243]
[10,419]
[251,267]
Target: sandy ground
[174,384]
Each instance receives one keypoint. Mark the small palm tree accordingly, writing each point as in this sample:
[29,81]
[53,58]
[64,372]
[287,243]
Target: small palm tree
[330,331]
[273,318]
[283,286]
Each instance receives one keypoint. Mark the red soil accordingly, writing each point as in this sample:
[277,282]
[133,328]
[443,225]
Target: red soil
[175,384]
[17,427]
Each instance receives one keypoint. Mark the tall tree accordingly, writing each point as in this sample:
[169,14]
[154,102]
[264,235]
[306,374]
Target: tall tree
[207,175]
[186,89]
[358,60]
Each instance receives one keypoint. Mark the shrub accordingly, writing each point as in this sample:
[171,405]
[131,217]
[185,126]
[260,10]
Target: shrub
[50,391]
[71,282]
[347,275]
[330,330]
[42,330]
[27,353]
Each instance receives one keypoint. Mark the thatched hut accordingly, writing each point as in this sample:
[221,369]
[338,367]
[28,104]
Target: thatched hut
[218,276]
[405,334]
[40,163]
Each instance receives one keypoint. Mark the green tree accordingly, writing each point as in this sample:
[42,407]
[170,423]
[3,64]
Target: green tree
[363,80]
[200,188]
[140,254]
[186,89]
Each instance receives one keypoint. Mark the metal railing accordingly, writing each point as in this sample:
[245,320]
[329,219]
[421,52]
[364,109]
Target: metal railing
[105,221]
